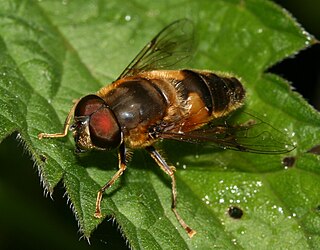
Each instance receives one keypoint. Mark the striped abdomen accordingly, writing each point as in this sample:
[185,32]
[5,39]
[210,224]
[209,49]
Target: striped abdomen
[210,96]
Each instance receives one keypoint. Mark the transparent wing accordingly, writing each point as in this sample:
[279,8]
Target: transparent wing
[255,136]
[173,45]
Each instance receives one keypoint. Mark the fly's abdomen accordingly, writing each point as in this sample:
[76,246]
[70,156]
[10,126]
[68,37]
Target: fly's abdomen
[219,94]
[210,96]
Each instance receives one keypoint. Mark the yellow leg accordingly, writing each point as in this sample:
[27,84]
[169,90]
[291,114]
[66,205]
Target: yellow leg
[170,171]
[65,127]
[122,168]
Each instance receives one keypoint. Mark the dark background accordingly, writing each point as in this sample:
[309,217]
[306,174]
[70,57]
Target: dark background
[303,70]
[29,220]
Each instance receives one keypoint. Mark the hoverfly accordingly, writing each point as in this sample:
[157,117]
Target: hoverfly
[149,102]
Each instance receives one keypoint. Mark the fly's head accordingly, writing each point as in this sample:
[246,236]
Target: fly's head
[95,125]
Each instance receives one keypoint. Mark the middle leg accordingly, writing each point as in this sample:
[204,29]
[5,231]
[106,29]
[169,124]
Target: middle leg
[170,171]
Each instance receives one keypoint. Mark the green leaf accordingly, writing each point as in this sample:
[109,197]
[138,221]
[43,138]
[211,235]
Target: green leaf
[53,52]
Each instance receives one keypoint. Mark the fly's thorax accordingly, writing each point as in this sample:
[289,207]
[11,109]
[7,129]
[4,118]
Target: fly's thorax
[142,101]
[136,102]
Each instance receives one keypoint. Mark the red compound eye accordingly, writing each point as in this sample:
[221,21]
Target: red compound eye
[88,105]
[103,126]
[104,129]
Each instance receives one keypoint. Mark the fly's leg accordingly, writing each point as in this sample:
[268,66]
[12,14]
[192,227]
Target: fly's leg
[122,168]
[170,171]
[65,127]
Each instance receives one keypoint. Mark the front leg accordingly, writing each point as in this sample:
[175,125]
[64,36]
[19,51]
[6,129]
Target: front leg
[122,168]
[67,124]
[170,171]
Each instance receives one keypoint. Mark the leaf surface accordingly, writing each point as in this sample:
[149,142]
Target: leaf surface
[54,52]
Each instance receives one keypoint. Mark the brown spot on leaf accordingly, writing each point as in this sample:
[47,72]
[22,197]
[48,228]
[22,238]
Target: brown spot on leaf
[43,158]
[235,212]
[288,161]
[314,150]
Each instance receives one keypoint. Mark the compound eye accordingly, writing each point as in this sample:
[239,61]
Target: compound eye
[96,124]
[104,129]
[88,105]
